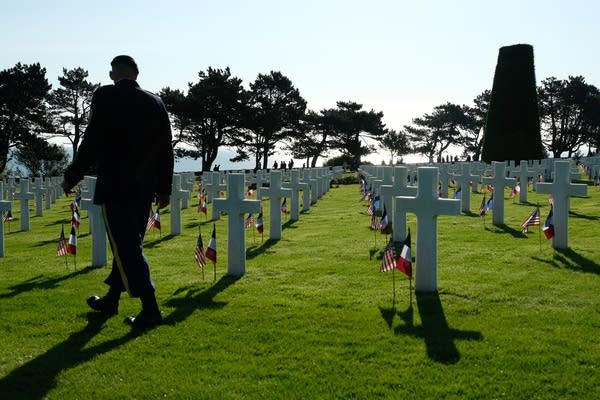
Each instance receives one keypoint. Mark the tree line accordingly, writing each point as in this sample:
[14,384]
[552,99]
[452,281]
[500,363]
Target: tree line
[217,110]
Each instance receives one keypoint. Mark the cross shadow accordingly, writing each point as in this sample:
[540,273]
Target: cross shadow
[39,282]
[503,228]
[289,224]
[470,214]
[196,299]
[584,216]
[254,251]
[576,262]
[153,243]
[439,337]
[34,379]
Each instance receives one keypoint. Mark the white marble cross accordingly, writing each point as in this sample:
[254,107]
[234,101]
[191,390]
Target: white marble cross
[444,172]
[524,173]
[388,193]
[98,228]
[49,193]
[499,181]
[24,196]
[219,187]
[177,194]
[260,179]
[305,191]
[464,180]
[11,186]
[235,205]
[4,206]
[309,177]
[427,206]
[296,186]
[275,192]
[561,189]
[38,194]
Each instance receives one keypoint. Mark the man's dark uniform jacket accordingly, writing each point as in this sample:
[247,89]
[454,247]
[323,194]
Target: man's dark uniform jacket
[128,138]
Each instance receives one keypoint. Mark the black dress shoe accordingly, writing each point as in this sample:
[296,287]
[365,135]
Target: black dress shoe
[144,320]
[103,305]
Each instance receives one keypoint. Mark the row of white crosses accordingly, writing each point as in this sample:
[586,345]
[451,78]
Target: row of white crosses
[424,201]
[427,205]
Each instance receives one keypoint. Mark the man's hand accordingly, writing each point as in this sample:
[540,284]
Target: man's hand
[161,200]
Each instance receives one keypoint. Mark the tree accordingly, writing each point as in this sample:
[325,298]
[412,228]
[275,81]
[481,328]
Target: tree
[351,125]
[435,133]
[396,143]
[209,116]
[273,114]
[314,136]
[569,112]
[23,112]
[472,132]
[71,103]
[512,130]
[41,158]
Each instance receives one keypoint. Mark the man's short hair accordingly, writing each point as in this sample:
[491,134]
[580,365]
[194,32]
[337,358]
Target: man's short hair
[124,61]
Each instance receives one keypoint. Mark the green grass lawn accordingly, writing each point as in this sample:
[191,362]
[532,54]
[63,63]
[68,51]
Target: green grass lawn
[313,316]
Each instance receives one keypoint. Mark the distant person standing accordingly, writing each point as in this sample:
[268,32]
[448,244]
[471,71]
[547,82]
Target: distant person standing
[128,139]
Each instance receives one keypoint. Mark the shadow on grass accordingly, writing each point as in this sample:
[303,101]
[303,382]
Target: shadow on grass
[567,258]
[289,224]
[39,282]
[506,229]
[254,251]
[196,299]
[34,379]
[583,216]
[195,224]
[153,243]
[469,214]
[439,337]
[42,243]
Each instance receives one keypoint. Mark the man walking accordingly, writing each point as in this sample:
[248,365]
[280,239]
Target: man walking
[128,141]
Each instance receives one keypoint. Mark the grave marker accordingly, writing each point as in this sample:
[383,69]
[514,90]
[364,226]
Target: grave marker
[427,206]
[24,196]
[38,194]
[235,205]
[275,192]
[499,181]
[296,186]
[464,180]
[561,189]
[388,194]
[98,228]
[4,206]
[177,194]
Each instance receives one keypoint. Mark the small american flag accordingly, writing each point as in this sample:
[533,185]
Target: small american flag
[533,219]
[153,220]
[7,216]
[374,222]
[388,262]
[249,223]
[62,244]
[199,252]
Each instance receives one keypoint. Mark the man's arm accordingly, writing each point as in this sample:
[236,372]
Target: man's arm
[165,158]
[87,152]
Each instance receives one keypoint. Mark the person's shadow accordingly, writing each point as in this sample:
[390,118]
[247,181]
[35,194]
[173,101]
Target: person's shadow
[196,299]
[439,337]
[34,379]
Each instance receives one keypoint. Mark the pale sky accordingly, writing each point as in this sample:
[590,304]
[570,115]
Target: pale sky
[400,57]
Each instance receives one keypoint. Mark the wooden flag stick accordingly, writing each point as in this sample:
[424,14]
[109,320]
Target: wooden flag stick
[394,289]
